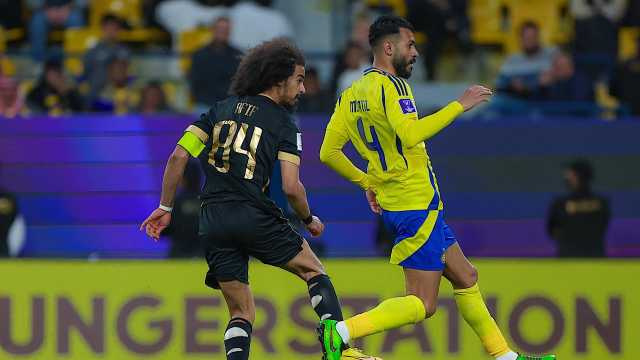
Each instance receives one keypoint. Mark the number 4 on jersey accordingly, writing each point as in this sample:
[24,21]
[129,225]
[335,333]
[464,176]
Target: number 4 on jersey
[239,133]
[374,145]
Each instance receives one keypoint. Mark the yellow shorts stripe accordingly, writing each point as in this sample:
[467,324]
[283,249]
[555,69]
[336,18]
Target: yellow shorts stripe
[407,247]
[190,142]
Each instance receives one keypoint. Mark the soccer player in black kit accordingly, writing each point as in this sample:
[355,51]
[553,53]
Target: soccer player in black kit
[238,142]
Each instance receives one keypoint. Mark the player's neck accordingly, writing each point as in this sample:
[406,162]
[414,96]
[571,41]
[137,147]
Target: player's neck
[384,67]
[271,95]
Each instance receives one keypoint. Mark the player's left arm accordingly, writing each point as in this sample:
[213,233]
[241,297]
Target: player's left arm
[402,113]
[191,143]
[331,154]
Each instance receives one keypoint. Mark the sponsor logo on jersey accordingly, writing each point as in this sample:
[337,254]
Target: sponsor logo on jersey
[407,106]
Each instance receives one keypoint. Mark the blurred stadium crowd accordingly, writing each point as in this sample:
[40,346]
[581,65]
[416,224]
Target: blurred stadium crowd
[563,57]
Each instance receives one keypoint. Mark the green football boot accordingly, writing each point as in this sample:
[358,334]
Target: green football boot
[332,344]
[533,357]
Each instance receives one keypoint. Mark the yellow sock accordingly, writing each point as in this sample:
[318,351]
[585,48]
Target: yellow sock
[389,314]
[475,313]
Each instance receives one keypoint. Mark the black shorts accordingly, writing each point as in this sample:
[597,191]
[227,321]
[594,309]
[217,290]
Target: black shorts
[230,232]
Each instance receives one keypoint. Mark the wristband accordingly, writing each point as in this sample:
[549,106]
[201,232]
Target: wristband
[308,219]
[165,208]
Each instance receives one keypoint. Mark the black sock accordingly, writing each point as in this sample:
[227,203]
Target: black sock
[324,299]
[237,339]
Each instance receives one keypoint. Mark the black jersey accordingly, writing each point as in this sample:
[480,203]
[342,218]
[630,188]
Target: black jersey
[243,137]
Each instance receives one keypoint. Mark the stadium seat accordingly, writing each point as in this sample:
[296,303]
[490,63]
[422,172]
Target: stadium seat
[399,7]
[3,40]
[496,22]
[14,34]
[628,42]
[129,10]
[76,43]
[546,13]
[486,22]
[7,68]
[188,42]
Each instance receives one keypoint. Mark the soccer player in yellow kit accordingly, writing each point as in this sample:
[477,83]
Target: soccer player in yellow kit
[378,115]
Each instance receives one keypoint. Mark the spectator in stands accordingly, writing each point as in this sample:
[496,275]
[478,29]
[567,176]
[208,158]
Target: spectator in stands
[563,83]
[51,14]
[104,52]
[596,33]
[11,14]
[183,230]
[632,16]
[255,22]
[356,61]
[440,20]
[625,83]
[11,102]
[578,221]
[153,100]
[360,36]
[8,215]
[252,21]
[54,94]
[118,96]
[316,99]
[521,73]
[213,66]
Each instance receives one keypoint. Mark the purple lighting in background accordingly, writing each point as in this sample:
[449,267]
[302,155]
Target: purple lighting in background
[85,183]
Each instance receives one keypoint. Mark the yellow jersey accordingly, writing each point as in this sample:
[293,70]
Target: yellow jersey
[378,115]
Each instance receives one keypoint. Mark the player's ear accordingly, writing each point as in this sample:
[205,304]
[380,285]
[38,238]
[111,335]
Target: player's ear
[387,46]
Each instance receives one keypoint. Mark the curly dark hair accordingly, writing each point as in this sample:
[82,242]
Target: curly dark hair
[386,25]
[265,66]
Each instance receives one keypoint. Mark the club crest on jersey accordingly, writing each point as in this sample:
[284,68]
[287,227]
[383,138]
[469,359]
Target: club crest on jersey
[407,106]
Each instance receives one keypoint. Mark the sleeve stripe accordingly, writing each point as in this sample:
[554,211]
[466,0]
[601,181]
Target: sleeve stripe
[384,100]
[203,136]
[395,84]
[400,85]
[404,87]
[294,159]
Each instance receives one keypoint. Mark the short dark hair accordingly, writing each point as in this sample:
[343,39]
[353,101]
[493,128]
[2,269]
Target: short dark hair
[311,72]
[386,25]
[110,18]
[529,24]
[265,66]
[583,170]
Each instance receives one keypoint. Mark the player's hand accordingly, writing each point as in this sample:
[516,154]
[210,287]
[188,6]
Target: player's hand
[373,202]
[315,227]
[156,222]
[474,95]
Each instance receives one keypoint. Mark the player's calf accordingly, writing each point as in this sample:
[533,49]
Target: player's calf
[323,298]
[237,339]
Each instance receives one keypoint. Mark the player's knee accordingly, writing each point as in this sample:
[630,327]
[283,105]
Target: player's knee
[430,307]
[470,278]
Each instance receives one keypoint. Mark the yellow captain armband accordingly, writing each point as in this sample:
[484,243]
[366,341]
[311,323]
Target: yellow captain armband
[191,143]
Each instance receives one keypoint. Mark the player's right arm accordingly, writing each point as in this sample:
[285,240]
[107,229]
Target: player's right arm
[402,114]
[192,143]
[331,154]
[289,151]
